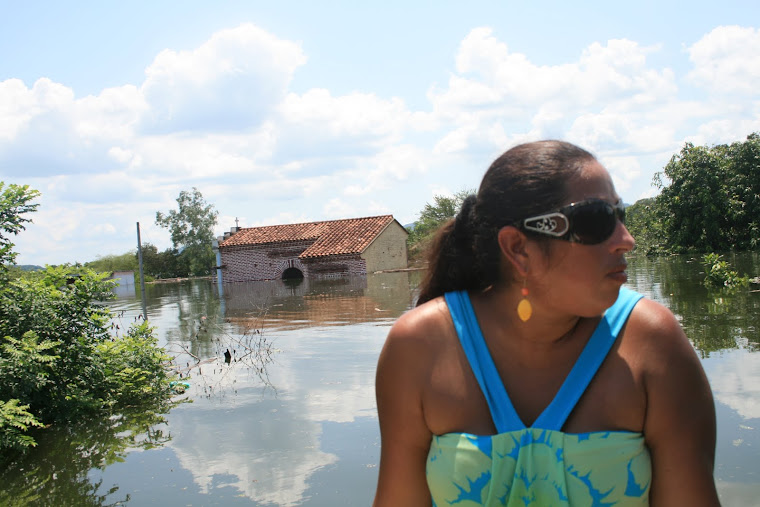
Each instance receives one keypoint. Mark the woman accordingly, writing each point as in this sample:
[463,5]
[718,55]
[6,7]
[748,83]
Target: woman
[527,375]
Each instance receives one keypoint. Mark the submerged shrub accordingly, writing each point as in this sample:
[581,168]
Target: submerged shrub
[719,274]
[14,422]
[59,359]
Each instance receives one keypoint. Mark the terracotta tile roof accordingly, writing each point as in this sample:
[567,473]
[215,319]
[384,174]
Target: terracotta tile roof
[335,237]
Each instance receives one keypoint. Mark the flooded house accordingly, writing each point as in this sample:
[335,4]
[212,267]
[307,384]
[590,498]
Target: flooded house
[327,249]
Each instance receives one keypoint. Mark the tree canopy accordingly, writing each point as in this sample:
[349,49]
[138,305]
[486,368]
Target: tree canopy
[435,214]
[192,230]
[709,200]
[15,203]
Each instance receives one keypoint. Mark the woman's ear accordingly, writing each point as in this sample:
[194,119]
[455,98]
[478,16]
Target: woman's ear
[513,243]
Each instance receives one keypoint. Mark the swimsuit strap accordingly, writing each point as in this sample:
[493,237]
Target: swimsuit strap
[588,363]
[470,336]
[503,413]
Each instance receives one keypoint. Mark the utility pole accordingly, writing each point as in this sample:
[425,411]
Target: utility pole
[142,276]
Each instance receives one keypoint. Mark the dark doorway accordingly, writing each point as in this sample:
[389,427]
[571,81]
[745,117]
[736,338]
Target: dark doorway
[292,274]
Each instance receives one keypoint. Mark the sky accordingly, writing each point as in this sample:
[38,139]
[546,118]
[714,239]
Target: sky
[297,111]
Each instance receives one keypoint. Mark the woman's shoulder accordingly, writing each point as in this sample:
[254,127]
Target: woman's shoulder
[417,322]
[657,337]
[421,333]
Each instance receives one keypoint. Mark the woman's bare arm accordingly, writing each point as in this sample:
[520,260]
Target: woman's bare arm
[680,420]
[402,372]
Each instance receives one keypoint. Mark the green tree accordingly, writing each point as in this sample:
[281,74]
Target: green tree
[110,263]
[58,357]
[432,217]
[695,201]
[166,264]
[14,204]
[710,198]
[192,230]
[644,220]
[743,186]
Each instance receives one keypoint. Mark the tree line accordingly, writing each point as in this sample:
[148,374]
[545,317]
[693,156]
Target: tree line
[708,201]
[191,227]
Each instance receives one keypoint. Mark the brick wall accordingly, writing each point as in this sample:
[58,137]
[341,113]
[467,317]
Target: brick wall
[261,262]
[267,262]
[335,266]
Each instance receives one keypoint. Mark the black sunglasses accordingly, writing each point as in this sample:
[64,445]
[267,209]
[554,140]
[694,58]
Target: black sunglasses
[588,222]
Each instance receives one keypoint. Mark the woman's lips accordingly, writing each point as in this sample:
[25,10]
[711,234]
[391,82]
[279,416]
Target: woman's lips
[619,274]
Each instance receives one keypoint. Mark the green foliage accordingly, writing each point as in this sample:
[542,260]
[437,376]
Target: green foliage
[712,199]
[166,264]
[644,221]
[14,204]
[192,230]
[111,263]
[58,358]
[432,217]
[134,367]
[719,274]
[14,422]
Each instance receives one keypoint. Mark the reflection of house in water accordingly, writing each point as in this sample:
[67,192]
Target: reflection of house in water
[293,304]
[330,249]
[125,283]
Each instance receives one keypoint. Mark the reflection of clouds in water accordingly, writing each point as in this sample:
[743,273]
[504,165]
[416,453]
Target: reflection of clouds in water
[262,449]
[268,445]
[735,381]
[737,493]
[354,397]
[335,377]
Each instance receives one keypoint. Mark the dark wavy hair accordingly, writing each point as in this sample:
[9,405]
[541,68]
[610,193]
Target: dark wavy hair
[526,180]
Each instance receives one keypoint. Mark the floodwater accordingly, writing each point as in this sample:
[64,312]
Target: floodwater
[290,420]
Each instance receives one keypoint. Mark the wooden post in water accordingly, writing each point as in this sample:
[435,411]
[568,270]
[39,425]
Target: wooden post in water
[142,277]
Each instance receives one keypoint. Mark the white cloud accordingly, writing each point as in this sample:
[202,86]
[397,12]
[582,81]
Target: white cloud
[231,82]
[726,60]
[225,117]
[498,95]
[336,208]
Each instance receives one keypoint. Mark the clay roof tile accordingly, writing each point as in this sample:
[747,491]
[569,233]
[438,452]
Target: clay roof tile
[335,237]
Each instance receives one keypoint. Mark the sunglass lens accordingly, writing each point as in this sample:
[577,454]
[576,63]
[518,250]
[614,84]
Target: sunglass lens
[593,222]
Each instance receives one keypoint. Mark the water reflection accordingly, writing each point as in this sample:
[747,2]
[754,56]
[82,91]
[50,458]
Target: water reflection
[298,425]
[59,472]
[713,319]
[268,443]
[314,303]
[723,326]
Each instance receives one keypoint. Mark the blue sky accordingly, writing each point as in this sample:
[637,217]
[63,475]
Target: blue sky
[282,112]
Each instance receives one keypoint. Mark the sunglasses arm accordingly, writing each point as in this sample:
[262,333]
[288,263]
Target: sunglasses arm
[554,224]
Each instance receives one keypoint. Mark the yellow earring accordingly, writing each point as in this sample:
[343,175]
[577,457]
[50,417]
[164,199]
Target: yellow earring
[524,308]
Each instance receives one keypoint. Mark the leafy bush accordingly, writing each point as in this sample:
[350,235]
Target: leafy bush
[719,274]
[58,358]
[134,367]
[14,421]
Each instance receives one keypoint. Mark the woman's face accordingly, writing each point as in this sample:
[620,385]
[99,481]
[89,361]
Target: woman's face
[583,279]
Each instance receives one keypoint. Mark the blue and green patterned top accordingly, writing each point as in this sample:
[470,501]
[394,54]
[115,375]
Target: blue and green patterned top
[540,465]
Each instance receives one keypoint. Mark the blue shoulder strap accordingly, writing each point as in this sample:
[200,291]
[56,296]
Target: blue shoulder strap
[470,336]
[588,363]
[504,416]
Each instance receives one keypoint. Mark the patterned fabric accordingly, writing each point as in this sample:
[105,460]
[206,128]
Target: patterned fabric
[540,465]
